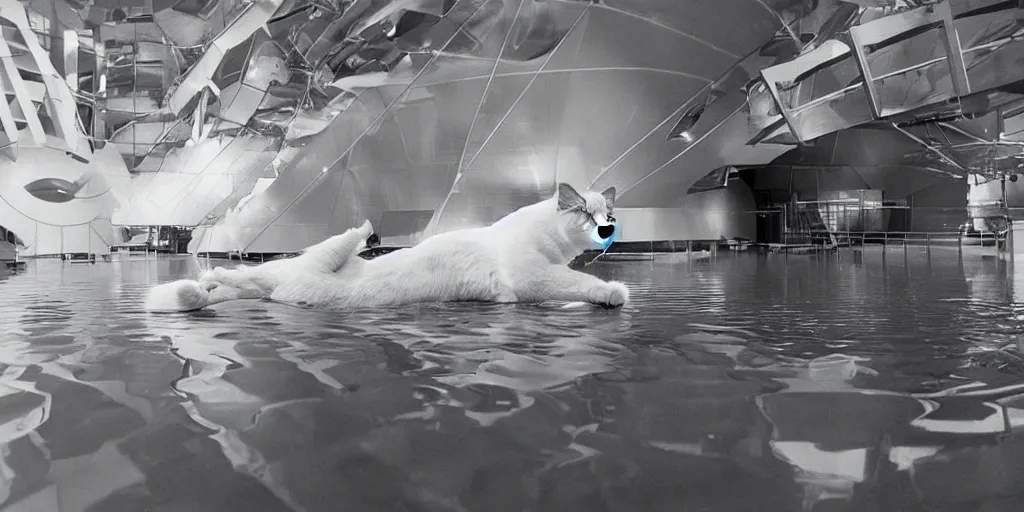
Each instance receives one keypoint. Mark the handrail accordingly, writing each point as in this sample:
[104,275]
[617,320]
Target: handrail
[899,238]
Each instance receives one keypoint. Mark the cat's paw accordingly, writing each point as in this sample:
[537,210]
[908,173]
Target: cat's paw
[612,294]
[365,230]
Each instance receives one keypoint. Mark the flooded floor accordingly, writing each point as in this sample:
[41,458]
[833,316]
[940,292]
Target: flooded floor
[746,383]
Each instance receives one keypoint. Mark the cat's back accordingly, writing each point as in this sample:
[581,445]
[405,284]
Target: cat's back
[457,265]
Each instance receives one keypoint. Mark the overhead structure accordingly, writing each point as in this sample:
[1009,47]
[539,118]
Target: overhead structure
[271,124]
[913,67]
[56,188]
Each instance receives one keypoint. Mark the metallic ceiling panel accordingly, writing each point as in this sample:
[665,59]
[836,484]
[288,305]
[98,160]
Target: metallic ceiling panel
[240,102]
[200,76]
[893,54]
[522,160]
[638,101]
[473,113]
[495,176]
[520,163]
[360,145]
[132,32]
[263,66]
[59,103]
[993,49]
[663,48]
[730,28]
[505,83]
[814,91]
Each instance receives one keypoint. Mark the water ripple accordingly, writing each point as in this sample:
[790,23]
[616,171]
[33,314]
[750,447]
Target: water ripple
[683,400]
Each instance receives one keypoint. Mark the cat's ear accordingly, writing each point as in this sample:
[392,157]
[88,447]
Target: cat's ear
[609,196]
[568,198]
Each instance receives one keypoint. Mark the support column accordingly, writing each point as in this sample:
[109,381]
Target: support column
[99,89]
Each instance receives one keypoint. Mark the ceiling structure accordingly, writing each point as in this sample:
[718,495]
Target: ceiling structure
[271,124]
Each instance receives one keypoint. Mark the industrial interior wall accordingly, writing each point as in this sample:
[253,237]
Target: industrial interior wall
[808,183]
[726,212]
[941,207]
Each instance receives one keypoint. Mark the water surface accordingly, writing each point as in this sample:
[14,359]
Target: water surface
[746,383]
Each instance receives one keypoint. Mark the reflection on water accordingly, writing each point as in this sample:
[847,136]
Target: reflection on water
[745,383]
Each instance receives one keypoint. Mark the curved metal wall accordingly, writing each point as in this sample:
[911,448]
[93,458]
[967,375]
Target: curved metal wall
[523,94]
[271,124]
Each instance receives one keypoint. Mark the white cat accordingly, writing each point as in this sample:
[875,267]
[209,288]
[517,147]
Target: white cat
[522,257]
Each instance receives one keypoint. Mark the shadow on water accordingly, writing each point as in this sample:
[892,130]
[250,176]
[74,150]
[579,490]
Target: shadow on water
[849,382]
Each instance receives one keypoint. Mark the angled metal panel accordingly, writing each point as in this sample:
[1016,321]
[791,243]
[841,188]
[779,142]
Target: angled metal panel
[764,119]
[825,114]
[12,79]
[61,104]
[254,18]
[881,32]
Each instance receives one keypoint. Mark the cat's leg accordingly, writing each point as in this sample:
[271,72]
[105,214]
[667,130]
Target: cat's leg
[332,254]
[555,282]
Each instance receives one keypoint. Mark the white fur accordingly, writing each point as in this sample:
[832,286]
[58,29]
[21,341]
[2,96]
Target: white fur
[521,258]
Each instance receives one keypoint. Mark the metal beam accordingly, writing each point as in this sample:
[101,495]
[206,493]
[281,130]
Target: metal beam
[949,160]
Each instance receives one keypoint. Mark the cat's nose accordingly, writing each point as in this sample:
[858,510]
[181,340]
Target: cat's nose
[605,232]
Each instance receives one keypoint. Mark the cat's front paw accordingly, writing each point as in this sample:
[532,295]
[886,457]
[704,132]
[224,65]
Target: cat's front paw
[612,294]
[365,230]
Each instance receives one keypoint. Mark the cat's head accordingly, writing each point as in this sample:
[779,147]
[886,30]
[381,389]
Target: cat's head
[581,213]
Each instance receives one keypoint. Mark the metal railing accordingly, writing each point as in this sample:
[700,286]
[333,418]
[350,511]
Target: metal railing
[888,239]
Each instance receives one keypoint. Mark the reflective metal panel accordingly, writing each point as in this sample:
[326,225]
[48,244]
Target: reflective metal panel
[897,53]
[820,92]
[469,109]
[526,92]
